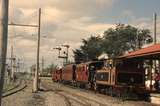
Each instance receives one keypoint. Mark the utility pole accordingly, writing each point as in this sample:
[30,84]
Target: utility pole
[154,65]
[3,42]
[155,27]
[36,78]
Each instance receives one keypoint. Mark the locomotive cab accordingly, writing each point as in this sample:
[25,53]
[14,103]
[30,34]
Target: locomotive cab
[120,75]
[130,76]
[103,75]
[130,73]
[92,69]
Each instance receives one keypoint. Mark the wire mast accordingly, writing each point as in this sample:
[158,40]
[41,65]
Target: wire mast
[3,43]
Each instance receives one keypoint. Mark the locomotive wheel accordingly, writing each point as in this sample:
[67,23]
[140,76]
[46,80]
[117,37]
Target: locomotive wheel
[107,91]
[110,91]
[87,86]
[74,83]
[95,87]
[82,85]
[118,94]
[124,94]
[78,85]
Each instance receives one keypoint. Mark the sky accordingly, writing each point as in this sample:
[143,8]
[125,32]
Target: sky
[69,21]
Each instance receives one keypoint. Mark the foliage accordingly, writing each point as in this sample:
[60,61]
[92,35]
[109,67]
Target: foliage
[49,69]
[90,49]
[115,42]
[124,38]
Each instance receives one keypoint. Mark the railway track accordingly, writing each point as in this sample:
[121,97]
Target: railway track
[22,85]
[71,98]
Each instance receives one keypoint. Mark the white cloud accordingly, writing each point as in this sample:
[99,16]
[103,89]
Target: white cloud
[147,23]
[69,5]
[99,28]
[63,21]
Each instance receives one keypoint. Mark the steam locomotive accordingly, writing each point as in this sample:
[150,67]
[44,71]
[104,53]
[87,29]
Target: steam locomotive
[114,77]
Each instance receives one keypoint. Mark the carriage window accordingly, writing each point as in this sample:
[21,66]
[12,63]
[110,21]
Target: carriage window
[110,65]
[102,76]
[92,68]
[97,65]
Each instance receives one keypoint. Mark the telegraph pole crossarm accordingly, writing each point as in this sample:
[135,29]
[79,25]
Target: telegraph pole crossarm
[36,78]
[24,25]
[155,27]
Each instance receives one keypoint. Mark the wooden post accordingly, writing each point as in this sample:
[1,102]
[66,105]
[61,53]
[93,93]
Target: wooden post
[155,40]
[3,44]
[155,27]
[36,77]
[151,67]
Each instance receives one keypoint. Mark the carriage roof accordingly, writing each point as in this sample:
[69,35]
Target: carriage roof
[150,52]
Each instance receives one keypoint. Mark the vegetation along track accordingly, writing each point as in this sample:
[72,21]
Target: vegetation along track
[22,85]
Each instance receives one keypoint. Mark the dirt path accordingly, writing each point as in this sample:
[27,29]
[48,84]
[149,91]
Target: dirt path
[54,94]
[24,98]
[78,97]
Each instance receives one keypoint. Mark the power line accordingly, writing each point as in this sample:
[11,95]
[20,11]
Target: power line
[36,77]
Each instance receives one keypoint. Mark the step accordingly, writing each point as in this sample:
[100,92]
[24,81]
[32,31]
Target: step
[155,98]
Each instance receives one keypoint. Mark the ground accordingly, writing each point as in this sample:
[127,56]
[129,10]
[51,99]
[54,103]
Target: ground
[54,94]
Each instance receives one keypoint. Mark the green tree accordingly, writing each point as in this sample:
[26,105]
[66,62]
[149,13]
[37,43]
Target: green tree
[78,55]
[124,38]
[49,69]
[90,49]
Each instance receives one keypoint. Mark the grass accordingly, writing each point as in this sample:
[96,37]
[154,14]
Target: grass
[10,85]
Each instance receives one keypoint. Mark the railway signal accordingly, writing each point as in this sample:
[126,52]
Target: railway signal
[59,50]
[65,52]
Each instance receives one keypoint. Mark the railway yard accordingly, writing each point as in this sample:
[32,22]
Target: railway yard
[79,53]
[54,94]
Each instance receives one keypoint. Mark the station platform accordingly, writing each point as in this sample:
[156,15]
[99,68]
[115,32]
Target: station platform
[155,98]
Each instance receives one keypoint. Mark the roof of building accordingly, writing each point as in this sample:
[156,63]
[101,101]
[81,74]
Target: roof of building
[147,51]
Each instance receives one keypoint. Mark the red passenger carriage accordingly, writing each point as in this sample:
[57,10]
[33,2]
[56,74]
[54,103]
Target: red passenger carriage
[86,73]
[68,73]
[82,73]
[57,75]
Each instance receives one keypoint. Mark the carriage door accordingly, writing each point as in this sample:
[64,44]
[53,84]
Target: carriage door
[74,72]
